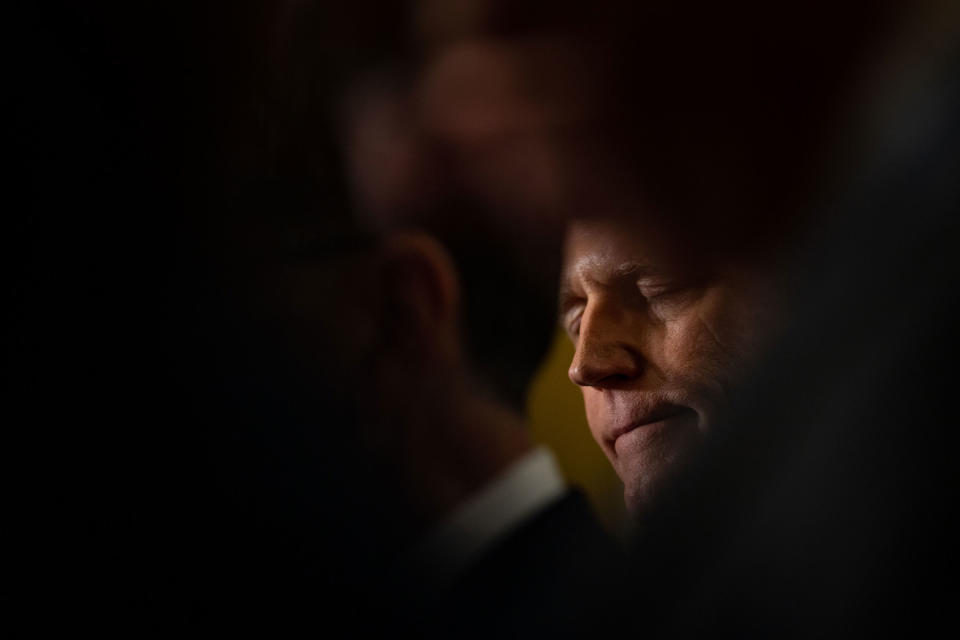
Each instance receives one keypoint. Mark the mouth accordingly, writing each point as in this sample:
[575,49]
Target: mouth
[660,413]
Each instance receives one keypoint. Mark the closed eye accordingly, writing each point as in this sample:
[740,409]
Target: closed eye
[573,329]
[570,319]
[569,309]
[667,299]
[655,289]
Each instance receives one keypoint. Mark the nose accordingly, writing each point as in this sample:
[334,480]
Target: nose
[608,351]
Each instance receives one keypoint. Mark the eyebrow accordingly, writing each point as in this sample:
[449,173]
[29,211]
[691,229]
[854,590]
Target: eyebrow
[633,269]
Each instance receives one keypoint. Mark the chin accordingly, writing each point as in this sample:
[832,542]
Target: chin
[639,499]
[648,472]
[642,490]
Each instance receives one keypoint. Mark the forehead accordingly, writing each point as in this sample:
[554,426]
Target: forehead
[603,248]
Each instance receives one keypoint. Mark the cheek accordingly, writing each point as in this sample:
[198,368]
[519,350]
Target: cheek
[693,348]
[685,341]
[732,326]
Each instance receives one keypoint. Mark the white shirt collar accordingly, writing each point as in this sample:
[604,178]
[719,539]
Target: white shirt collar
[518,493]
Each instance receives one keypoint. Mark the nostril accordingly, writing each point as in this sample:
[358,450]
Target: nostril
[612,379]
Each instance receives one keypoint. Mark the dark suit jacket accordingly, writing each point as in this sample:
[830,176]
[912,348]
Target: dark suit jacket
[547,578]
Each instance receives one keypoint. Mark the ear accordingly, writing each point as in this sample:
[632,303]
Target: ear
[420,288]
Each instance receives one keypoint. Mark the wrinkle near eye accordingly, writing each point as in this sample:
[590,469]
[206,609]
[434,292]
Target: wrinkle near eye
[707,324]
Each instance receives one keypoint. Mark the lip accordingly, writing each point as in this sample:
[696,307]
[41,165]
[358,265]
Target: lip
[657,414]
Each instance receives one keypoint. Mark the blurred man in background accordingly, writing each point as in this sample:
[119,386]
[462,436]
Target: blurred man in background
[360,348]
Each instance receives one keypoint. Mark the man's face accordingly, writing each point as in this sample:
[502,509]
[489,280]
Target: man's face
[657,345]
